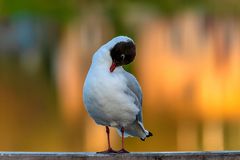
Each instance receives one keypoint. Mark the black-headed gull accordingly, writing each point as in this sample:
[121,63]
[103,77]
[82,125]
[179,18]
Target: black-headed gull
[112,96]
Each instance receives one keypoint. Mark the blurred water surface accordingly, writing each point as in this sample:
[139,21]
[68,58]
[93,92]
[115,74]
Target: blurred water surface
[188,64]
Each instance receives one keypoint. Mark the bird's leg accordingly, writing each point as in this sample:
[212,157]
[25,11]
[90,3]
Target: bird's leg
[123,150]
[109,150]
[108,137]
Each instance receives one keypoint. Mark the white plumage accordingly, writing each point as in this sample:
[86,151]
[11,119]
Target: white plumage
[113,98]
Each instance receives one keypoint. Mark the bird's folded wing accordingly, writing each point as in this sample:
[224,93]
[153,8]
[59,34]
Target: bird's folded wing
[135,91]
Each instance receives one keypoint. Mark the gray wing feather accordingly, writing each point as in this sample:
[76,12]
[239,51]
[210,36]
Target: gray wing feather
[135,92]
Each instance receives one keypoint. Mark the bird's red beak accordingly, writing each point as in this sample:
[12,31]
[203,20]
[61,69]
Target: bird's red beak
[113,66]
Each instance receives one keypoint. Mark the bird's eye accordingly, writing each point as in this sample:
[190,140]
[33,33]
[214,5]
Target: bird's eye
[122,56]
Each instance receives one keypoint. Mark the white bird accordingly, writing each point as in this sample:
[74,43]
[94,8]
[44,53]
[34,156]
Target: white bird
[113,96]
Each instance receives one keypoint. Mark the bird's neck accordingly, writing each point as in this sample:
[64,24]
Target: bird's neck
[103,60]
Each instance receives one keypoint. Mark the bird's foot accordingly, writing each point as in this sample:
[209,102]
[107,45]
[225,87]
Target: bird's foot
[123,151]
[110,150]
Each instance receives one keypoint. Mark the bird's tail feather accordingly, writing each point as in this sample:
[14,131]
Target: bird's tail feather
[137,130]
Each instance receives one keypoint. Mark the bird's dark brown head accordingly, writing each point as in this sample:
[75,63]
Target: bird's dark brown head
[122,53]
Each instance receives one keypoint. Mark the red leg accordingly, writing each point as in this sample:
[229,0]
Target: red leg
[123,150]
[109,150]
[108,136]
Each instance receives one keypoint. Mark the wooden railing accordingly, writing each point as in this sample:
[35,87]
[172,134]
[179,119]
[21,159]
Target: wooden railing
[221,155]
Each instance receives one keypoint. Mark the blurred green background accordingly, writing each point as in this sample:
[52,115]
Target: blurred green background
[188,64]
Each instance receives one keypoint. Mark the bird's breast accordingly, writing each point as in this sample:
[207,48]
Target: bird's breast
[105,99]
